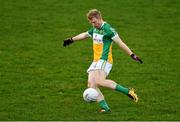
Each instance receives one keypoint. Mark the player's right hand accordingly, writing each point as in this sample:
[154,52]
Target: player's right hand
[67,42]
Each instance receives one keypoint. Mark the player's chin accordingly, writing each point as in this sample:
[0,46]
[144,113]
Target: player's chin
[97,27]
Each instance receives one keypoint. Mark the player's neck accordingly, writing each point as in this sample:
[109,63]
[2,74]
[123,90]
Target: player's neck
[101,23]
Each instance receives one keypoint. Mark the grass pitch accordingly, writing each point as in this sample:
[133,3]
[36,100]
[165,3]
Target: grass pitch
[41,80]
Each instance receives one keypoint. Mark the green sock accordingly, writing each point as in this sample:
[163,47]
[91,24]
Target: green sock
[104,105]
[122,89]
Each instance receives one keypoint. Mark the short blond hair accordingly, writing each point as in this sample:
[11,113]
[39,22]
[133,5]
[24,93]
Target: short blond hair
[93,13]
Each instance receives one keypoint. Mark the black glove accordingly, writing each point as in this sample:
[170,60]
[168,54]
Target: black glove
[67,42]
[136,58]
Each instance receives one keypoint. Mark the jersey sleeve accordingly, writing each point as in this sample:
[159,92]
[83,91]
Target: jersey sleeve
[90,32]
[111,33]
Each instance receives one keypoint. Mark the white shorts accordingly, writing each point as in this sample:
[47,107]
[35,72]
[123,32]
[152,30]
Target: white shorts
[101,64]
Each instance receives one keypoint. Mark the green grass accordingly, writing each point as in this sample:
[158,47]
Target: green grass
[41,80]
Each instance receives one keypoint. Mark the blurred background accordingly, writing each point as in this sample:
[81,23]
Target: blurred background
[42,80]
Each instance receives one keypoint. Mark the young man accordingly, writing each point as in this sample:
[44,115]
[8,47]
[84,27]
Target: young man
[103,36]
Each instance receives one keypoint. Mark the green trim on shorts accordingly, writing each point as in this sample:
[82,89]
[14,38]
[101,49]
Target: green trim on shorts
[103,64]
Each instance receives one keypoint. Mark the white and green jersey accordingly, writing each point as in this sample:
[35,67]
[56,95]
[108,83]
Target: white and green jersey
[102,42]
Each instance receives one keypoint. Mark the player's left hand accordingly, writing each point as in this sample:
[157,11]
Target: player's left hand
[136,58]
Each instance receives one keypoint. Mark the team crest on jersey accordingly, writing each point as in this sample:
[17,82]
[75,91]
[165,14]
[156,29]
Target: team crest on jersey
[97,38]
[101,31]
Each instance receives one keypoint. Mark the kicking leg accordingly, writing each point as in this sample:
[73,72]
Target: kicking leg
[100,79]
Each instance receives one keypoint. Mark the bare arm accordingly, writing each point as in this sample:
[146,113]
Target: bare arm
[122,45]
[80,36]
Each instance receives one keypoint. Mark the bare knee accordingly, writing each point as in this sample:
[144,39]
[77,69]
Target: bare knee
[91,84]
[99,83]
[100,77]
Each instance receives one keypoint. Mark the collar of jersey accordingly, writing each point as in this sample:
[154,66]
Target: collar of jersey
[102,25]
